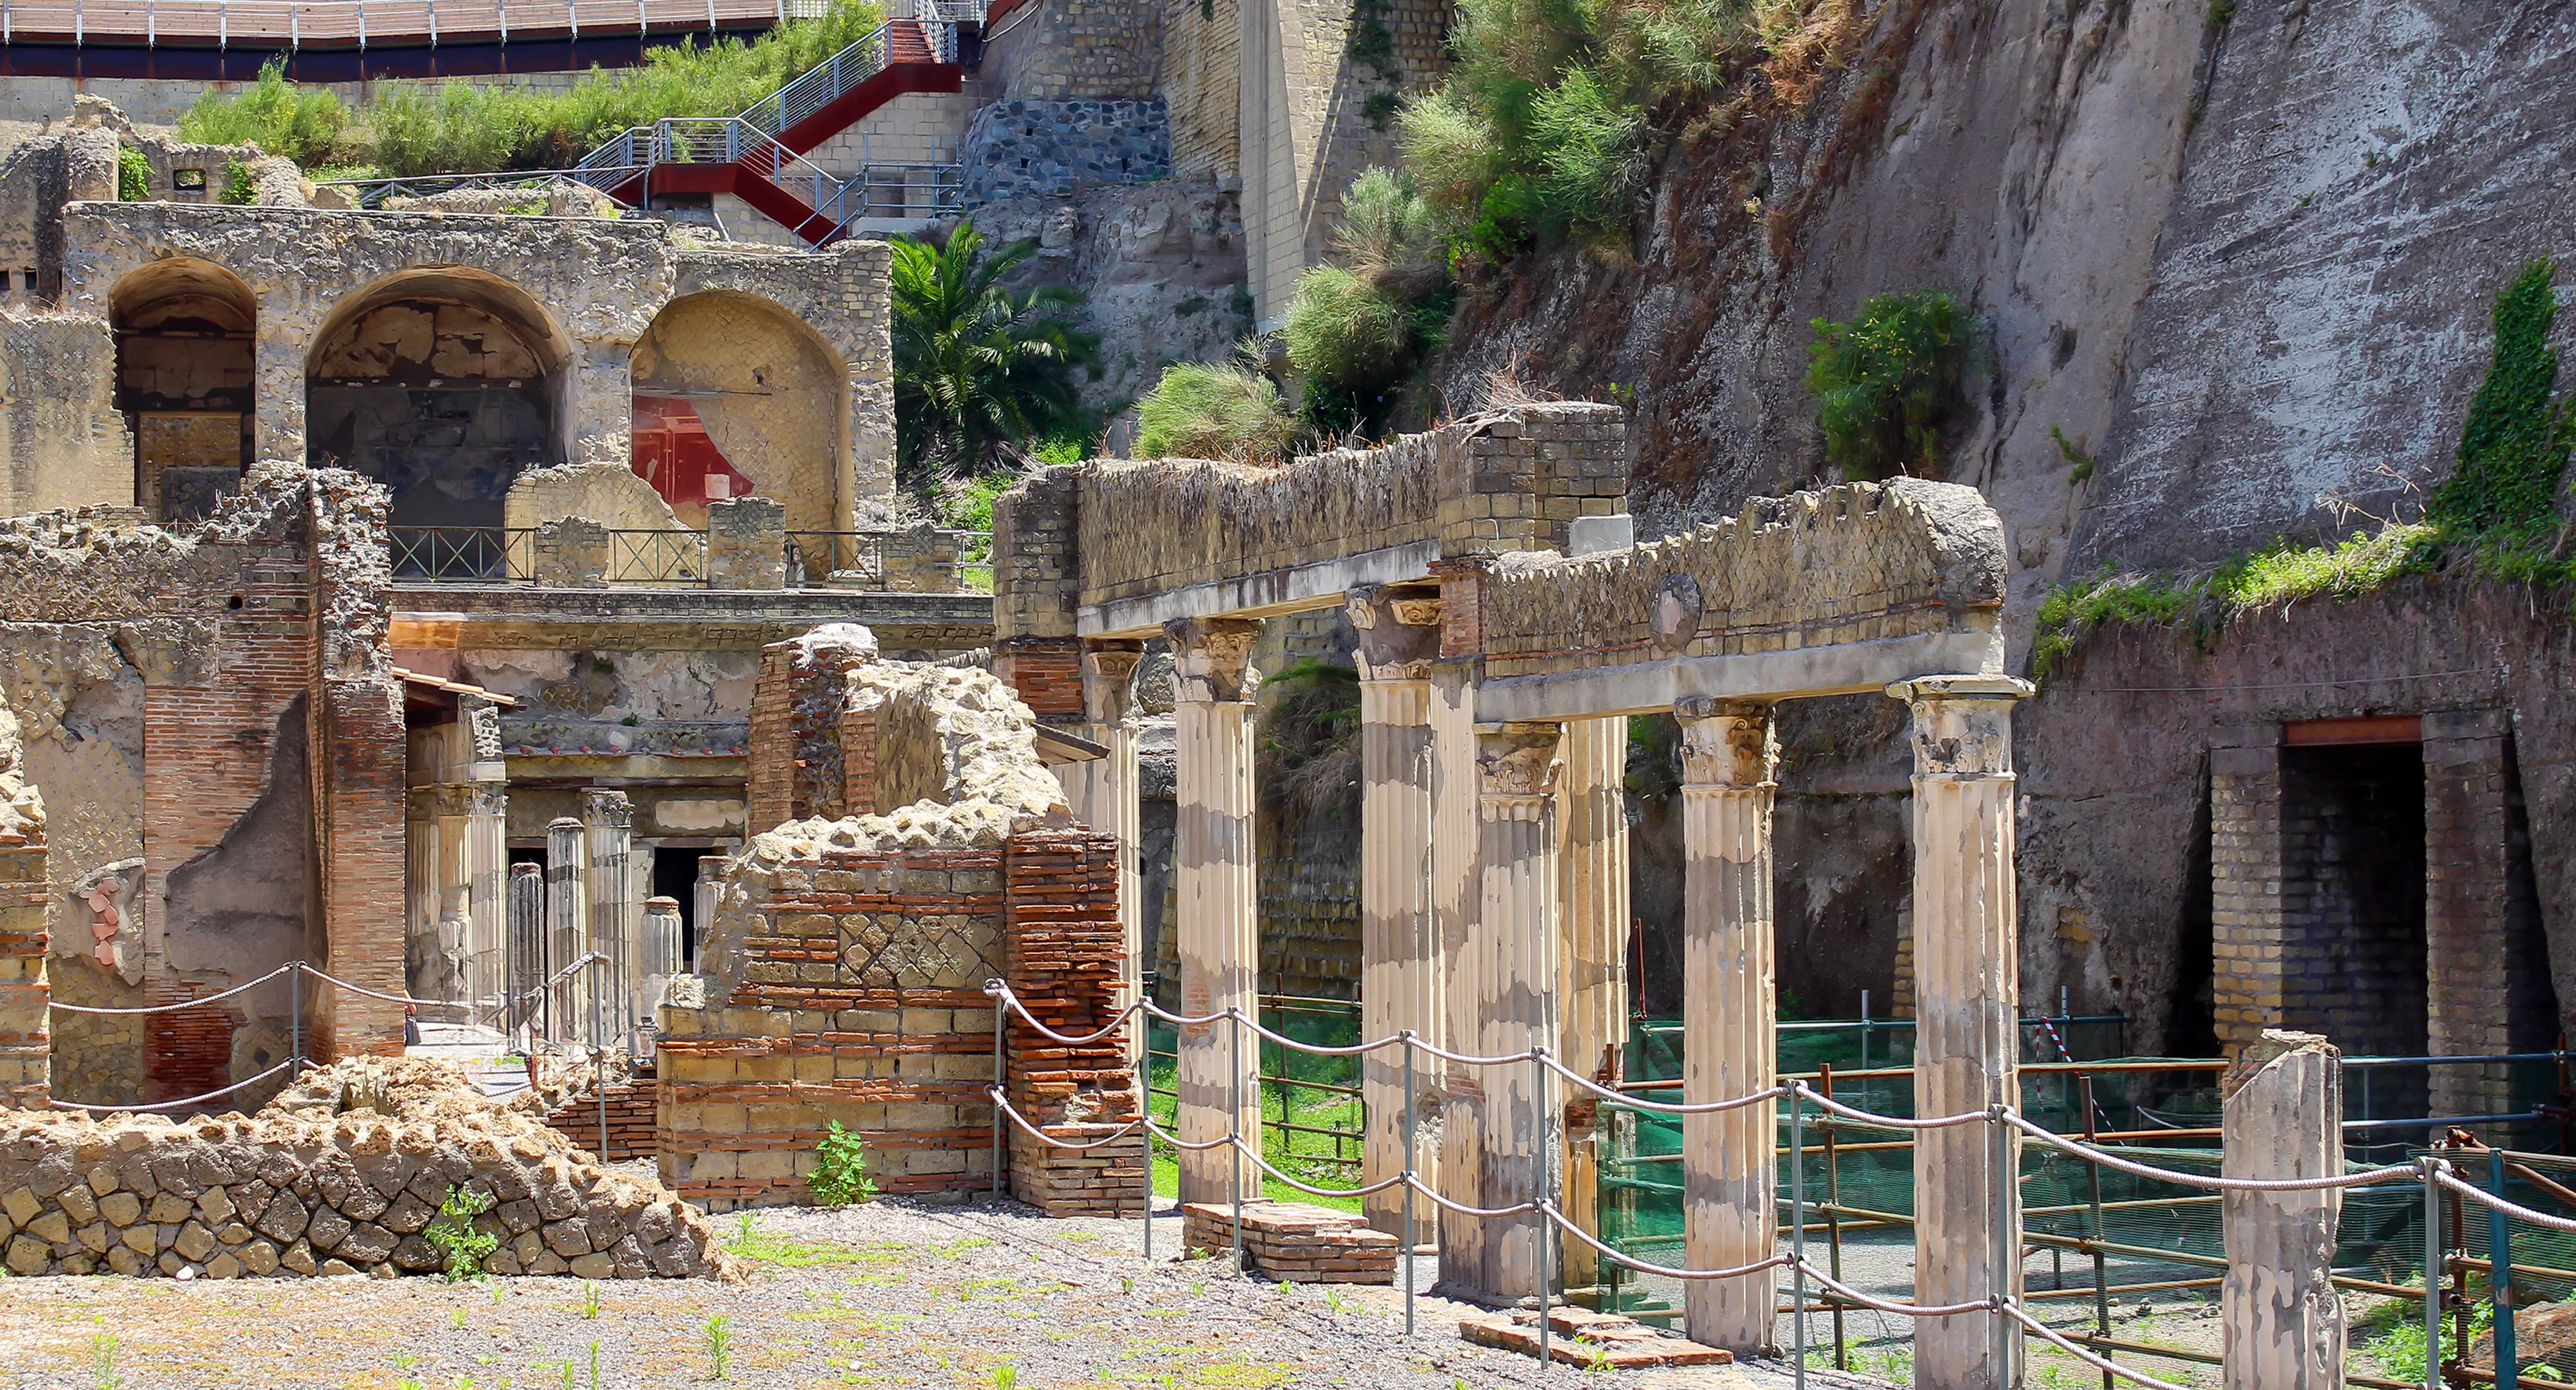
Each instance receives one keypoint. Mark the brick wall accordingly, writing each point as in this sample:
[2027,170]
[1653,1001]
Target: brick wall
[2485,991]
[634,1113]
[1064,950]
[1046,672]
[861,1000]
[2246,929]
[795,759]
[25,1044]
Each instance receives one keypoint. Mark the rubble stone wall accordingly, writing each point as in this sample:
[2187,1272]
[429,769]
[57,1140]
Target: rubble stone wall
[289,1193]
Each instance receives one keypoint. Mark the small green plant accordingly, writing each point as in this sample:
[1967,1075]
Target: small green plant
[2221,11]
[102,1361]
[133,176]
[456,1318]
[241,187]
[2514,444]
[2079,463]
[594,1365]
[1887,381]
[461,1244]
[840,1174]
[1006,1377]
[719,1335]
[1381,110]
[590,1299]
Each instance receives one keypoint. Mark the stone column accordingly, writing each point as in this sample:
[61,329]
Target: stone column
[455,896]
[616,908]
[1455,905]
[1400,955]
[1592,955]
[567,1004]
[420,893]
[1967,1020]
[1108,800]
[1730,1166]
[529,947]
[710,886]
[2279,1310]
[1510,975]
[487,909]
[2250,932]
[1218,927]
[657,957]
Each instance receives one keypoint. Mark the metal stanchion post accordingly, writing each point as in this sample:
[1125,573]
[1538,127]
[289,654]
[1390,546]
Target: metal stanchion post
[1833,1222]
[599,1057]
[1405,1038]
[1145,1141]
[1001,1013]
[1234,1122]
[2500,1279]
[2432,1273]
[1798,1235]
[2093,1181]
[2007,1242]
[295,1021]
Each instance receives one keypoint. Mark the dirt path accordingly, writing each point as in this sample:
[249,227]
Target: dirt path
[893,1294]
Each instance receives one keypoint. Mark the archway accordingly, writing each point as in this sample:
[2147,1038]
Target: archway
[184,381]
[735,396]
[443,384]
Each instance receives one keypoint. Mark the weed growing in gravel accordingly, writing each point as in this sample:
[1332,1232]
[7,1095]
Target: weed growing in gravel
[594,1365]
[719,1343]
[102,1360]
[589,1299]
[840,1174]
[1333,1299]
[456,1318]
[1006,1377]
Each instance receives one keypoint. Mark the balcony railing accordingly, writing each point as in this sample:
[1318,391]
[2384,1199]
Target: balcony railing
[895,561]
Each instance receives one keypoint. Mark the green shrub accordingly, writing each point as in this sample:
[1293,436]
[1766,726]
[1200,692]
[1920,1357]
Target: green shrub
[1389,235]
[241,188]
[306,124]
[1590,164]
[1216,411]
[1343,330]
[840,1174]
[1886,382]
[977,365]
[133,175]
[1308,755]
[461,1245]
[466,127]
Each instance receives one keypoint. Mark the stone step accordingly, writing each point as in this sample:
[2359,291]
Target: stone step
[1580,1337]
[1296,1243]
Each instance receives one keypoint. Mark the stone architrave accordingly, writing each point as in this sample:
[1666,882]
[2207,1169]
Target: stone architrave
[2282,1318]
[1510,975]
[1217,927]
[1103,795]
[1400,955]
[567,1002]
[1967,1022]
[1592,955]
[1729,756]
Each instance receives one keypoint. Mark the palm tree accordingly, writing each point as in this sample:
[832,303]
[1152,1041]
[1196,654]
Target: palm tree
[976,364]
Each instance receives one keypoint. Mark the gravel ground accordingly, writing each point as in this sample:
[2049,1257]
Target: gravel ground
[892,1294]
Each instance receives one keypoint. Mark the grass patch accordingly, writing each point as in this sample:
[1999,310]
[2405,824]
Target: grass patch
[750,1241]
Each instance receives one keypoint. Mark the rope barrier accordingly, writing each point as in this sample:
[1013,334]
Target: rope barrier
[1840,1289]
[1050,1140]
[2515,1210]
[2086,1354]
[1649,1266]
[1828,1103]
[2147,1170]
[1705,1107]
[1007,1000]
[189,1004]
[192,1100]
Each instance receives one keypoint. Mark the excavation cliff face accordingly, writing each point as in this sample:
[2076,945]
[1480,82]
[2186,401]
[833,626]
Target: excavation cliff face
[2232,267]
[2240,264]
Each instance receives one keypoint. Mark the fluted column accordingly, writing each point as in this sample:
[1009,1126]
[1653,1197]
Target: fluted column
[1967,1199]
[455,895]
[1400,953]
[487,907]
[1108,800]
[2282,1318]
[1455,904]
[1218,928]
[616,909]
[567,929]
[529,948]
[420,893]
[1728,1170]
[1512,945]
[1592,969]
[657,956]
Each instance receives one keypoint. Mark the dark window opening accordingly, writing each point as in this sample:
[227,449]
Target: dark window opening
[2352,870]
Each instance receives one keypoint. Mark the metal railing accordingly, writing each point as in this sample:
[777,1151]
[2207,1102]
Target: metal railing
[665,558]
[828,81]
[462,554]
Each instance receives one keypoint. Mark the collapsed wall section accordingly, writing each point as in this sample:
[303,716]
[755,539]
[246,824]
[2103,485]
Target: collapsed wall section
[247,654]
[846,959]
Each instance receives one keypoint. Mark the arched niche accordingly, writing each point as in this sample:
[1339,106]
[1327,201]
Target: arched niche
[444,384]
[184,379]
[735,395]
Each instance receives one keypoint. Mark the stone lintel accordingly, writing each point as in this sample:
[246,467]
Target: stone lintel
[1295,589]
[1651,687]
